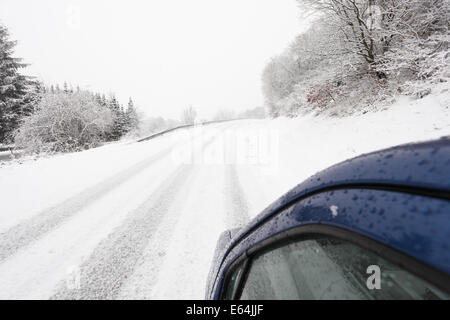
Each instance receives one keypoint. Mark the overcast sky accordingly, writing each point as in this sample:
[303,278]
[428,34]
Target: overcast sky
[166,54]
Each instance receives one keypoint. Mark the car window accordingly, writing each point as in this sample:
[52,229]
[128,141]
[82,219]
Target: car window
[232,282]
[329,269]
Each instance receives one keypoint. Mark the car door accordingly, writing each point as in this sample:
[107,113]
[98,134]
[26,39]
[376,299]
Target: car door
[352,243]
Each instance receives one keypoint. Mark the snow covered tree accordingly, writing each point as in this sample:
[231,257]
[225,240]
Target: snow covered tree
[417,32]
[387,34]
[188,115]
[63,123]
[123,122]
[104,103]
[66,88]
[355,21]
[13,86]
[98,97]
[359,51]
[118,128]
[132,117]
[312,55]
[279,79]
[36,90]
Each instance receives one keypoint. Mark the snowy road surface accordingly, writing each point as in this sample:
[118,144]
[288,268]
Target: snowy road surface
[140,220]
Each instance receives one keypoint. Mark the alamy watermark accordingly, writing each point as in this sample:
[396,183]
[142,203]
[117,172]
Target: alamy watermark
[374,280]
[258,147]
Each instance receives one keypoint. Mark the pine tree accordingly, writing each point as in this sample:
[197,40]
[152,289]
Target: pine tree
[122,122]
[13,86]
[117,128]
[98,98]
[132,119]
[104,102]
[66,88]
[32,98]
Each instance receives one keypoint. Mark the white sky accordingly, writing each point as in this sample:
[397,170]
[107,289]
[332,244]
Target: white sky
[166,54]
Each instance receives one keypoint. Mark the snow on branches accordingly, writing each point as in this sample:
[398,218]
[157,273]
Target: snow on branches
[390,46]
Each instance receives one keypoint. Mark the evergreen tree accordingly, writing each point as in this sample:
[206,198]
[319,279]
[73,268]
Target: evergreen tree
[122,122]
[98,98]
[104,103]
[132,119]
[66,88]
[32,98]
[117,128]
[13,86]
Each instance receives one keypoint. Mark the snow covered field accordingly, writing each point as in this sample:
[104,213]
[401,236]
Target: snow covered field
[140,220]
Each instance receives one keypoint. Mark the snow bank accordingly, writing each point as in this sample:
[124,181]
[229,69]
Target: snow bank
[310,144]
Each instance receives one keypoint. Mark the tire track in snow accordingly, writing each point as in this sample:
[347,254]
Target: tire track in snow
[236,205]
[141,281]
[114,259]
[34,228]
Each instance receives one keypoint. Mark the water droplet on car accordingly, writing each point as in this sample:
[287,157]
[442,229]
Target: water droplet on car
[334,211]
[423,162]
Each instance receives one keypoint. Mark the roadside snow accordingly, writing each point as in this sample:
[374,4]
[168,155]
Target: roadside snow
[35,185]
[310,144]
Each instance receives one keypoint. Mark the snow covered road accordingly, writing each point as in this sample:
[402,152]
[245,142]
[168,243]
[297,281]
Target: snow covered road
[140,220]
[129,233]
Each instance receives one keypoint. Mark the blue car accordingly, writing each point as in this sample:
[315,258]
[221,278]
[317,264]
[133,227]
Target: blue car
[374,227]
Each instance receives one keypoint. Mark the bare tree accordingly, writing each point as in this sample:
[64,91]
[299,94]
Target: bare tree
[387,45]
[64,122]
[188,115]
[374,29]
